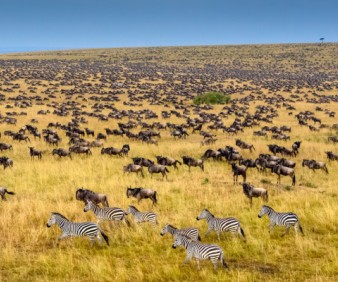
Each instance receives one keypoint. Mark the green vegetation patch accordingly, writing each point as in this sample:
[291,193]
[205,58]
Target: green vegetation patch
[212,98]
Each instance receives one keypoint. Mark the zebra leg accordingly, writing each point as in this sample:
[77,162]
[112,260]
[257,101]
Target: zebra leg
[286,230]
[271,228]
[198,264]
[187,258]
[218,235]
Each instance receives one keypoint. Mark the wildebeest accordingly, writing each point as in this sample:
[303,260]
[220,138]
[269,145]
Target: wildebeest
[133,168]
[332,156]
[168,161]
[85,194]
[312,164]
[3,191]
[244,145]
[33,152]
[142,193]
[62,153]
[80,150]
[142,161]
[189,161]
[248,163]
[254,192]
[6,162]
[114,151]
[238,170]
[212,154]
[4,146]
[286,162]
[283,170]
[156,168]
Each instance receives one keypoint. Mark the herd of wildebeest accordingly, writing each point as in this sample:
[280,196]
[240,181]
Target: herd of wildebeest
[124,95]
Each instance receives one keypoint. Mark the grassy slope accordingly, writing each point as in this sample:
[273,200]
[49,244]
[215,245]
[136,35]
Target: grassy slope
[28,248]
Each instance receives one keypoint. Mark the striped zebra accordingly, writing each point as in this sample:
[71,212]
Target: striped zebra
[200,251]
[142,216]
[70,229]
[287,219]
[190,232]
[229,224]
[106,213]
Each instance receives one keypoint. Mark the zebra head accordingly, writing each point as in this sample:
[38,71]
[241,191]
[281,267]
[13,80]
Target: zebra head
[51,221]
[164,230]
[178,241]
[88,206]
[204,214]
[264,210]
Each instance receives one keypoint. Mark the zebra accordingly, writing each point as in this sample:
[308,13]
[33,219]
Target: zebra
[142,216]
[190,232]
[287,219]
[229,224]
[70,229]
[200,251]
[106,213]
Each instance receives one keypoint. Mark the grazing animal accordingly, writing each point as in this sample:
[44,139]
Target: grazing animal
[3,192]
[296,146]
[238,170]
[332,156]
[168,161]
[80,150]
[189,161]
[4,146]
[254,192]
[141,193]
[229,224]
[287,219]
[86,195]
[142,216]
[106,213]
[156,168]
[200,251]
[33,152]
[133,168]
[312,164]
[244,145]
[283,170]
[142,161]
[70,229]
[6,162]
[190,232]
[62,153]
[212,154]
[114,151]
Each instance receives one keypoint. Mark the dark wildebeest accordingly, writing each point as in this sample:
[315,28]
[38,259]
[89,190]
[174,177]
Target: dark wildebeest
[285,162]
[212,154]
[4,146]
[3,191]
[248,163]
[114,151]
[142,161]
[85,194]
[6,162]
[189,161]
[168,161]
[80,150]
[332,156]
[312,164]
[142,193]
[156,168]
[283,170]
[238,170]
[89,132]
[62,153]
[244,145]
[33,152]
[254,192]
[133,168]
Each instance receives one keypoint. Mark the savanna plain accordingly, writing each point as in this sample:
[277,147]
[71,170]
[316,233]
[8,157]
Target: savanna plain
[100,88]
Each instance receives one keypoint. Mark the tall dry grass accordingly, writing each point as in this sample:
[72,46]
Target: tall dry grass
[28,247]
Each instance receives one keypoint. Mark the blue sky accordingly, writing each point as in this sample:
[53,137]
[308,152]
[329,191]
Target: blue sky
[71,24]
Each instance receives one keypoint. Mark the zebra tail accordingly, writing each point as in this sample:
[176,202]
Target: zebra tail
[199,238]
[105,237]
[301,229]
[224,264]
[294,179]
[127,222]
[9,192]
[242,232]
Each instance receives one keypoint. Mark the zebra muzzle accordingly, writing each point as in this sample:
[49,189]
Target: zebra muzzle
[174,247]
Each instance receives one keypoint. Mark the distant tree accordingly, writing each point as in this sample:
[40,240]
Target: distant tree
[212,98]
[322,39]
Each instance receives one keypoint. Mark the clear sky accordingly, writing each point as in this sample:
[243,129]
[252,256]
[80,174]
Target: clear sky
[27,25]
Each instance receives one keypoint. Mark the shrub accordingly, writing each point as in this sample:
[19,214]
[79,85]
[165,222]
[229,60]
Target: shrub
[212,98]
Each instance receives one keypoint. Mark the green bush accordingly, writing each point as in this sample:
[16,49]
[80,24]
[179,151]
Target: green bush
[212,98]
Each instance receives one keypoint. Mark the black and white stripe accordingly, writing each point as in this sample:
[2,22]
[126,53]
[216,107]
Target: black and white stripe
[71,229]
[142,216]
[106,213]
[229,224]
[190,232]
[287,219]
[200,251]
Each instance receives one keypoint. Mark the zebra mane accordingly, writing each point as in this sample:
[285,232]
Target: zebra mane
[169,225]
[59,214]
[133,207]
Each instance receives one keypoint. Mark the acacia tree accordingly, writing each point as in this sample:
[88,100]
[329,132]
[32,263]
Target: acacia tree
[322,39]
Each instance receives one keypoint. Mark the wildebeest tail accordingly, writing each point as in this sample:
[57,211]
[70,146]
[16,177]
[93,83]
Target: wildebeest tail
[155,198]
[293,179]
[105,237]
[166,170]
[9,192]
